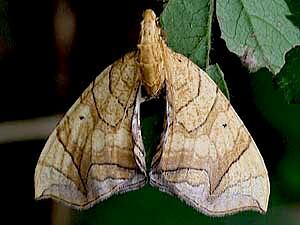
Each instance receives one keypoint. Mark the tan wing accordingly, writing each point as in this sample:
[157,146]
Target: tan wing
[207,157]
[96,150]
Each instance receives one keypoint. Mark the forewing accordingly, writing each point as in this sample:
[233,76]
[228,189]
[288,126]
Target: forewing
[206,156]
[96,149]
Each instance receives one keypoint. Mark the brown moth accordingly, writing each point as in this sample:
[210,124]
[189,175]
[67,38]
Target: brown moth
[206,156]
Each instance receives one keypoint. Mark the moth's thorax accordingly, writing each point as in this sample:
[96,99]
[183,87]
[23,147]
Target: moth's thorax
[151,54]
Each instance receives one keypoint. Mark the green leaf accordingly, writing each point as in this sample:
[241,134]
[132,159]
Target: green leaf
[215,72]
[151,130]
[288,80]
[188,28]
[258,31]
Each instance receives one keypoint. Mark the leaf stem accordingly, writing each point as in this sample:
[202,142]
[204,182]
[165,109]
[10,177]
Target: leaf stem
[209,27]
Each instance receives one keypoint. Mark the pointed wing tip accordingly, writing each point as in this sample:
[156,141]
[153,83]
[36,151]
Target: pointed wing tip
[263,207]
[42,196]
[37,194]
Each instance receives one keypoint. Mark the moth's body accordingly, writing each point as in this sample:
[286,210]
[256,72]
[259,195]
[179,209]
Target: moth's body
[152,54]
[206,156]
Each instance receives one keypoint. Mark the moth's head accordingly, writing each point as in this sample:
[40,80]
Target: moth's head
[149,16]
[150,32]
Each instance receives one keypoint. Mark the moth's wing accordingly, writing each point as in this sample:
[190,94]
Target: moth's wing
[206,156]
[96,150]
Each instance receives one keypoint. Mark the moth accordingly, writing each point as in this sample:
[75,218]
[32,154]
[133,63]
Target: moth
[206,156]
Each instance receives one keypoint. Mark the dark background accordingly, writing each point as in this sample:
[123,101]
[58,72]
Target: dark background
[30,64]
